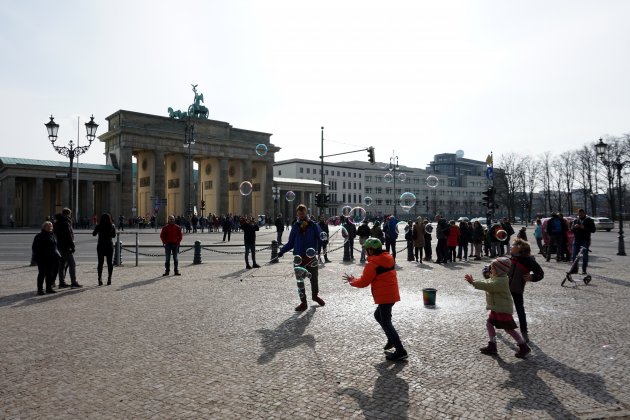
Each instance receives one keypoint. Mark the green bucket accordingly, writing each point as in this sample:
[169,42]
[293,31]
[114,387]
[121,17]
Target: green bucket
[428,296]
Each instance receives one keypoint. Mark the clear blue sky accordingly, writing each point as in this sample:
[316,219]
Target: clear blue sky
[414,77]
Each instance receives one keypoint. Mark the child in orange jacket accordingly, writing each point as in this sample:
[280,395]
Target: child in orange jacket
[380,273]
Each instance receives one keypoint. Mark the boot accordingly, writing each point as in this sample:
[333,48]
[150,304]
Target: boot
[100,281]
[319,300]
[491,348]
[109,280]
[302,306]
[326,259]
[523,350]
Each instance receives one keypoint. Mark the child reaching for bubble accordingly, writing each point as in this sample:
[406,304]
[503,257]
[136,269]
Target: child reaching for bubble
[380,273]
[499,302]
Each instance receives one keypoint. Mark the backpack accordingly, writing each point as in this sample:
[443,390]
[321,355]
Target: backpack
[556,225]
[537,272]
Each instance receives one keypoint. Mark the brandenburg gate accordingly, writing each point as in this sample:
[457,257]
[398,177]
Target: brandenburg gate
[226,157]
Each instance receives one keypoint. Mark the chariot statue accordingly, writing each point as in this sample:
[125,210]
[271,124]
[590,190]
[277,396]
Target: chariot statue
[195,110]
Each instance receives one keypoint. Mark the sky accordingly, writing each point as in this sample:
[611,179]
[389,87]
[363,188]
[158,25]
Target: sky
[410,78]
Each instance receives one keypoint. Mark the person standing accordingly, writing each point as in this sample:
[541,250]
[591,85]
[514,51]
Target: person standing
[249,228]
[465,235]
[323,225]
[555,232]
[65,244]
[227,228]
[428,250]
[47,257]
[377,232]
[523,263]
[391,235]
[442,233]
[279,228]
[11,221]
[364,233]
[522,234]
[304,240]
[499,302]
[380,274]
[418,238]
[121,223]
[171,236]
[477,238]
[538,235]
[582,228]
[105,247]
[351,230]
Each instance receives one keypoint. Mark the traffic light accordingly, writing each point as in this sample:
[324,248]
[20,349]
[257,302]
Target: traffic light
[203,204]
[488,199]
[370,151]
[327,198]
[319,200]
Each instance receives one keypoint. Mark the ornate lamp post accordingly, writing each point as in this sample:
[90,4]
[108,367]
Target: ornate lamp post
[600,149]
[71,151]
[393,167]
[189,140]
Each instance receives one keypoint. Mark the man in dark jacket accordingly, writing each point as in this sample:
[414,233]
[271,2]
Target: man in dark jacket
[65,244]
[351,230]
[279,228]
[47,258]
[363,232]
[582,229]
[249,228]
[227,227]
[556,231]
[323,225]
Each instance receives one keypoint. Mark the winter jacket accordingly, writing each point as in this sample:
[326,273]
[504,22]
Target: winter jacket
[249,233]
[105,237]
[519,272]
[582,228]
[453,236]
[304,234]
[64,233]
[380,273]
[418,234]
[279,224]
[45,248]
[171,234]
[498,296]
[538,231]
[377,233]
[478,234]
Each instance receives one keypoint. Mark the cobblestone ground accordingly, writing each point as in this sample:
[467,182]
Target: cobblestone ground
[224,342]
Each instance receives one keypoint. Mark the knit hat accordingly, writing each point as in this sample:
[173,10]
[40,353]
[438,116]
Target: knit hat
[502,265]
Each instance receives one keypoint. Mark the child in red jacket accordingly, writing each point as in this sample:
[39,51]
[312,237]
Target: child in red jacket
[380,273]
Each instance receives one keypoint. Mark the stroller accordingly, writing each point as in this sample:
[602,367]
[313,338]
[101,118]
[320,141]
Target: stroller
[574,269]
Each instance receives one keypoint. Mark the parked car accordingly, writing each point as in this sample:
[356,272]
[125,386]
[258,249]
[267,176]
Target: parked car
[463,219]
[603,223]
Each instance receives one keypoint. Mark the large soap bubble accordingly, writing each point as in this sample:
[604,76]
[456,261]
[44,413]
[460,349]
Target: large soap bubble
[290,196]
[501,235]
[402,177]
[402,228]
[261,149]
[367,201]
[297,260]
[301,273]
[432,181]
[346,210]
[388,177]
[246,188]
[323,236]
[357,215]
[407,200]
[311,252]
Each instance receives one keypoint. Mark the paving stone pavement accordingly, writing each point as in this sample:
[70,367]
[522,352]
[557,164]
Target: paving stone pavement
[223,342]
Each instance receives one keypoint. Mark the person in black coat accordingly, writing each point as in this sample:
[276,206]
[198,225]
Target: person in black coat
[47,257]
[227,227]
[104,247]
[279,228]
[65,244]
[249,228]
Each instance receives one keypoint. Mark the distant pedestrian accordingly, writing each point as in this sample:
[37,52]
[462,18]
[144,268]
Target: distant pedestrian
[418,238]
[11,221]
[325,231]
[171,236]
[380,274]
[227,228]
[121,223]
[499,302]
[452,240]
[391,235]
[47,258]
[582,229]
[539,236]
[104,247]
[279,228]
[522,233]
[249,228]
[428,250]
[65,244]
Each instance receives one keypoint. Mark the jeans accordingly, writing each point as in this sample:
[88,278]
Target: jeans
[577,243]
[67,257]
[279,236]
[391,243]
[520,310]
[105,253]
[313,270]
[383,315]
[248,248]
[464,248]
[168,250]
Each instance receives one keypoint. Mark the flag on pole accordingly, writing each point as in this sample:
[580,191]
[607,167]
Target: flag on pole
[489,172]
[489,159]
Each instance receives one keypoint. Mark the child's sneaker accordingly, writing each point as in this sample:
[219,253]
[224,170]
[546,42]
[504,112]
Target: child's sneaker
[396,356]
[491,348]
[523,350]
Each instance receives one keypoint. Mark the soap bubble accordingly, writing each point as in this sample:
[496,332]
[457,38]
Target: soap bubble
[346,210]
[501,235]
[429,227]
[290,196]
[388,177]
[261,149]
[357,215]
[432,181]
[382,165]
[407,200]
[402,228]
[311,252]
[297,260]
[302,273]
[323,236]
[344,234]
[402,177]
[246,188]
[367,201]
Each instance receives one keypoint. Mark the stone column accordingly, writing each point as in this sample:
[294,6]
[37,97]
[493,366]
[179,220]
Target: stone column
[223,187]
[246,200]
[268,192]
[37,215]
[8,200]
[89,199]
[62,197]
[125,199]
[159,186]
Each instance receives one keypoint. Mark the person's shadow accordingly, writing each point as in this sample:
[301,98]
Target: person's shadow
[390,394]
[537,395]
[287,335]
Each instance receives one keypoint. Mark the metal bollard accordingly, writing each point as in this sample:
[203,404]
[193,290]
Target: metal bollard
[274,252]
[118,252]
[346,251]
[410,256]
[137,250]
[197,256]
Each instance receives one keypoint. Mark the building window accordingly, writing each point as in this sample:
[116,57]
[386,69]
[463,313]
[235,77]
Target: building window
[326,171]
[280,172]
[359,176]
[388,190]
[368,190]
[338,173]
[344,197]
[379,190]
[344,174]
[308,170]
[368,178]
[379,202]
[359,185]
[355,185]
[388,202]
[378,179]
[301,170]
[344,185]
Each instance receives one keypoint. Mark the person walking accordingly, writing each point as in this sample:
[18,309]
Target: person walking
[364,233]
[391,235]
[323,225]
[428,250]
[452,240]
[418,238]
[582,228]
[538,235]
[227,228]
[523,269]
[65,244]
[104,247]
[499,302]
[47,258]
[171,236]
[477,239]
[380,274]
[304,240]
[249,228]
[279,228]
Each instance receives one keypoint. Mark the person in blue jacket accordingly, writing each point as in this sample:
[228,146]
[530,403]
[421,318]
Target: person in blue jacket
[391,235]
[305,242]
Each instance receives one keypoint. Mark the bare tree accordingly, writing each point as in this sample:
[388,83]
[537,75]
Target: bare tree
[531,172]
[547,175]
[566,172]
[586,179]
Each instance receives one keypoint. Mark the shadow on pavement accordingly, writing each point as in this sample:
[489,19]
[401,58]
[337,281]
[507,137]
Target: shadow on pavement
[47,297]
[390,394]
[141,283]
[537,395]
[612,280]
[287,335]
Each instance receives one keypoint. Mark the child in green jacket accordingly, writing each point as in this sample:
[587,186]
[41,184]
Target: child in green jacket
[499,302]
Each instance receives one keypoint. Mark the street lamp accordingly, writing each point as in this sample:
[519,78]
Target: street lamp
[393,167]
[71,151]
[189,140]
[600,149]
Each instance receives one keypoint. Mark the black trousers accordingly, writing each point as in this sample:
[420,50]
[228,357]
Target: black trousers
[47,270]
[105,253]
[520,311]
